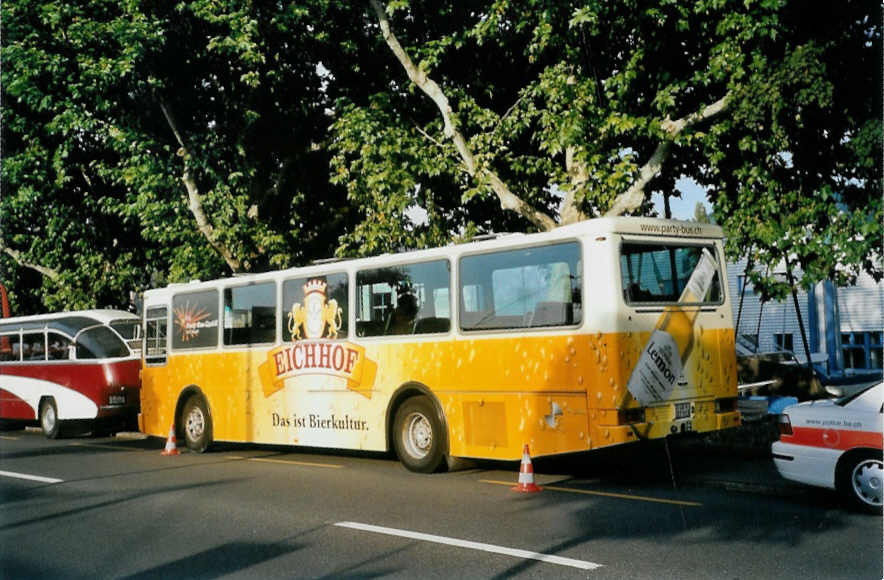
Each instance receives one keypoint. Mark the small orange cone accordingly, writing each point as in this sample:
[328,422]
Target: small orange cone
[171,445]
[526,474]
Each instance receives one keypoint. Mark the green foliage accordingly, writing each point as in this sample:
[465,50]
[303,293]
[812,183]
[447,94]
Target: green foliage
[92,165]
[792,165]
[305,137]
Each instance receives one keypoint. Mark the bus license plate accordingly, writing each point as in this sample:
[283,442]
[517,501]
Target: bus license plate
[117,399]
[682,410]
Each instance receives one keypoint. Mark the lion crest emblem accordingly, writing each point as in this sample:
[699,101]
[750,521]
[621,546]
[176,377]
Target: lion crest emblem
[318,317]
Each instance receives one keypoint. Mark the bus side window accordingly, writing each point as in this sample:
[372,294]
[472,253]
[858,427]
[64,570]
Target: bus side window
[34,346]
[155,342]
[403,300]
[315,307]
[10,348]
[524,288]
[195,320]
[59,347]
[250,314]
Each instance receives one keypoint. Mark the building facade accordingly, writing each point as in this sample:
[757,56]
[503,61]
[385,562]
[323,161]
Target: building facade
[843,326]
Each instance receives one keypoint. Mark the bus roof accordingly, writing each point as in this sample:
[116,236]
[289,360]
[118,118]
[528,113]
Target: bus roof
[653,228]
[68,322]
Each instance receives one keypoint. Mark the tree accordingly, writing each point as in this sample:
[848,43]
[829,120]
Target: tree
[165,142]
[533,114]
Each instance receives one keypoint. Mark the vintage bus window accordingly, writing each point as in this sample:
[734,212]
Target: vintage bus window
[531,287]
[33,346]
[59,346]
[658,273]
[100,342]
[250,314]
[315,307]
[195,320]
[155,322]
[408,299]
[130,330]
[10,347]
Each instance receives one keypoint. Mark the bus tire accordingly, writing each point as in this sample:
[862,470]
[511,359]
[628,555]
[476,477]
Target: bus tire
[196,424]
[49,418]
[859,479]
[417,435]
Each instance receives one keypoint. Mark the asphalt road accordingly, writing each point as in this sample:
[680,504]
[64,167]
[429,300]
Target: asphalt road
[115,508]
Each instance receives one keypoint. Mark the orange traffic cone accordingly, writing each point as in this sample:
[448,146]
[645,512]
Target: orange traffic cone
[171,445]
[526,474]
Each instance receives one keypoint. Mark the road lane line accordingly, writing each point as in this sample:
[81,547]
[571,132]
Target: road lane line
[286,462]
[8,438]
[605,494]
[515,552]
[30,477]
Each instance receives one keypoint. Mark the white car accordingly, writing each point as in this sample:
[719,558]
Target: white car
[836,443]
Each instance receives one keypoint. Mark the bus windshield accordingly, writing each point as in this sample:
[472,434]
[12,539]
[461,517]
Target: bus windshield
[100,342]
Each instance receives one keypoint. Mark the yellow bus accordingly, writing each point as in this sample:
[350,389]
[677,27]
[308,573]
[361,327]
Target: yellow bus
[601,333]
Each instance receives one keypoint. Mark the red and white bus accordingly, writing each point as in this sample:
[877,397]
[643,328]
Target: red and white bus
[70,368]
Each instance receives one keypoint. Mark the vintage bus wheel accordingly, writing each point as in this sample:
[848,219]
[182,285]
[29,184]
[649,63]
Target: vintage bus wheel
[417,435]
[861,480]
[49,419]
[197,424]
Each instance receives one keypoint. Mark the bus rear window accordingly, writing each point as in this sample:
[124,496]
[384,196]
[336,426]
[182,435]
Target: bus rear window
[658,273]
[100,342]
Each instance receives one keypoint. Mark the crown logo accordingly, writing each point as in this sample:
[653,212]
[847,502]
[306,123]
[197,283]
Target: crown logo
[315,286]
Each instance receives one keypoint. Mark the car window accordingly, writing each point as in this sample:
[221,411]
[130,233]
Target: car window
[869,400]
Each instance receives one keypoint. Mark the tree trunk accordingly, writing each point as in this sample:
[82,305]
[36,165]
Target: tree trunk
[194,199]
[508,200]
[632,198]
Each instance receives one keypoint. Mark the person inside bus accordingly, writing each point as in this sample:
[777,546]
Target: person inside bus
[402,319]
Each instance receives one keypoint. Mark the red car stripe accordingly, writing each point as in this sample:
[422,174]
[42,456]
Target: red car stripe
[842,439]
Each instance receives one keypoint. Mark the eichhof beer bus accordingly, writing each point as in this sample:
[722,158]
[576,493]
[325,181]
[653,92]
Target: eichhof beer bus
[70,368]
[601,333]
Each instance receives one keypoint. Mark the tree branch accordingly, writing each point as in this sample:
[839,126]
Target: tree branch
[16,255]
[633,197]
[577,177]
[195,203]
[508,200]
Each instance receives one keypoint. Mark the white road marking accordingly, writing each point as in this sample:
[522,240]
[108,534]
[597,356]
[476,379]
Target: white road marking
[526,554]
[30,477]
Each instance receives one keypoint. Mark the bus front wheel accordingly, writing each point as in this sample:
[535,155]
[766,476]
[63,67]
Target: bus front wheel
[197,424]
[417,435]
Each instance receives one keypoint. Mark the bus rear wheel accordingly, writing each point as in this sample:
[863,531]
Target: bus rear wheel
[197,424]
[49,419]
[417,435]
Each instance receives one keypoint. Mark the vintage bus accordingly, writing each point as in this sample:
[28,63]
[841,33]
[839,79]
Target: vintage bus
[601,333]
[70,369]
